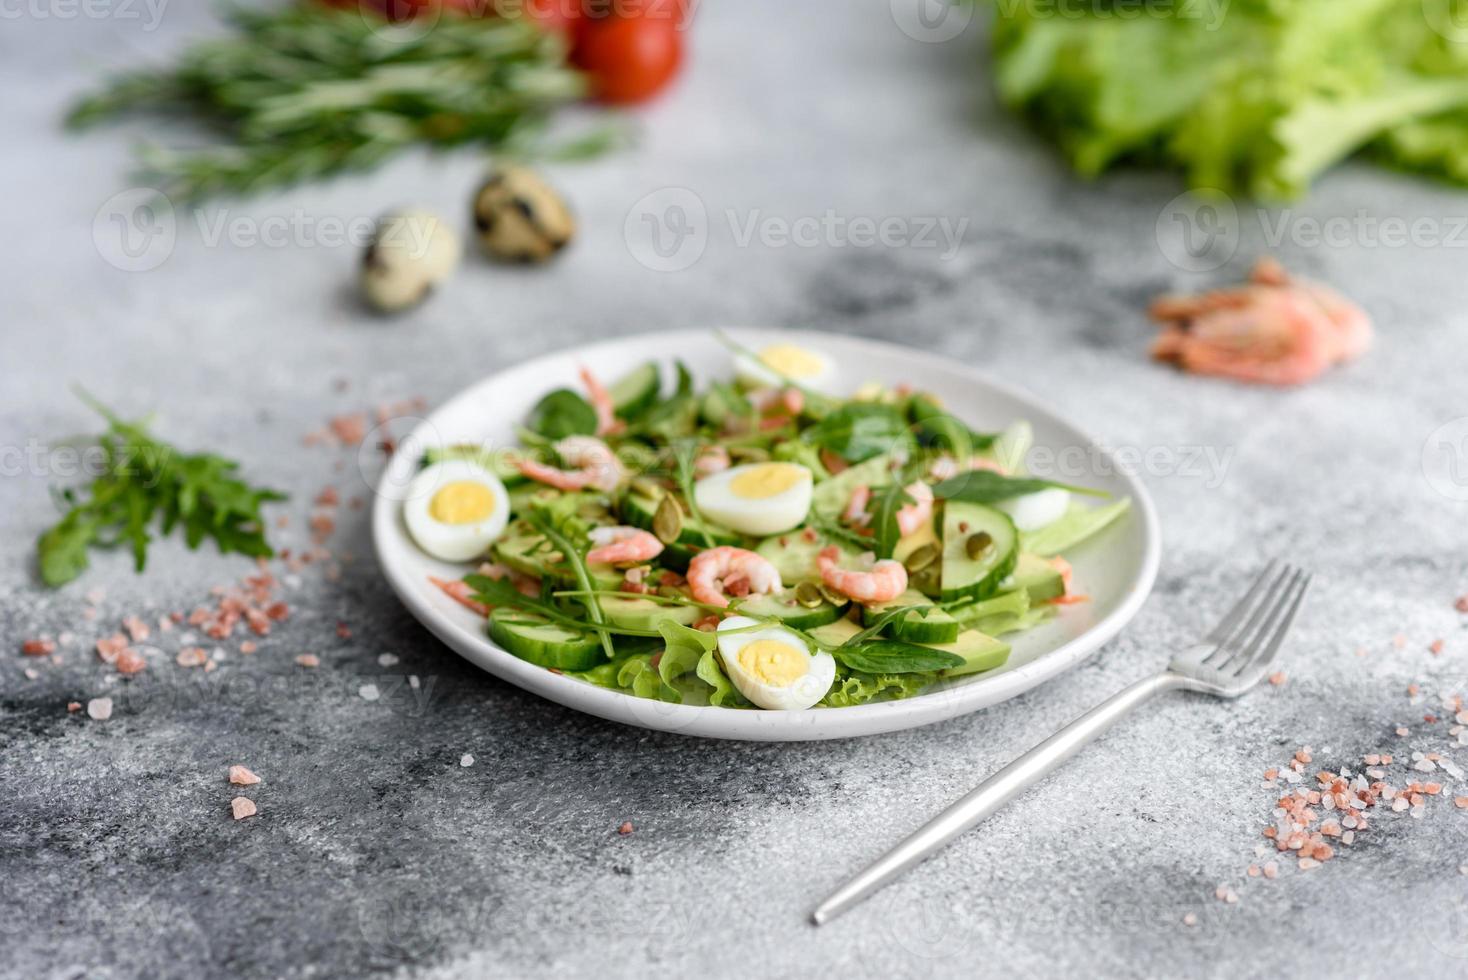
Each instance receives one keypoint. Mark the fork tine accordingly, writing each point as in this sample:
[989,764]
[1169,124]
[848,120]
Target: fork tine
[1242,650]
[1234,616]
[1250,611]
[1272,638]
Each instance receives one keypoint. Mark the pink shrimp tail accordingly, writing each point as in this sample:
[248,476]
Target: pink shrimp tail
[856,506]
[910,517]
[460,592]
[601,400]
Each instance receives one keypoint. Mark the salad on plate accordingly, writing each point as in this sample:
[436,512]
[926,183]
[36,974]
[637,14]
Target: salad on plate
[758,542]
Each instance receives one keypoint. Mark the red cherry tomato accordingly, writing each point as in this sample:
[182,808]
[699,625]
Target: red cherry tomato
[629,59]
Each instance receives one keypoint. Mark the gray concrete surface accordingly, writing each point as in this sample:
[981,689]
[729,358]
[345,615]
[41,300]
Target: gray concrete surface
[374,851]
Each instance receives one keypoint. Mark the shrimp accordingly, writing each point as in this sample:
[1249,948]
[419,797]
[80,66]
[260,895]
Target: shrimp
[622,543]
[596,466]
[887,579]
[912,516]
[710,460]
[856,505]
[946,467]
[459,591]
[736,571]
[1276,329]
[462,593]
[601,400]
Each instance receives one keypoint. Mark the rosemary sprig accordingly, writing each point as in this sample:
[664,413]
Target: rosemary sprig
[304,91]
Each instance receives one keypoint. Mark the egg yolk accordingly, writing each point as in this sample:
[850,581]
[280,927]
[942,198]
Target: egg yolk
[772,662]
[792,361]
[765,480]
[462,502]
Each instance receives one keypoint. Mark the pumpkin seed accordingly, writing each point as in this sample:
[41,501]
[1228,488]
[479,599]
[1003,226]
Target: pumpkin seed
[831,595]
[647,487]
[667,521]
[750,454]
[922,557]
[977,545]
[808,594]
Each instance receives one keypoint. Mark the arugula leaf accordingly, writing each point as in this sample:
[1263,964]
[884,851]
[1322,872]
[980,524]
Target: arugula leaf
[542,521]
[887,502]
[562,413]
[725,694]
[858,431]
[987,486]
[684,452]
[147,482]
[895,657]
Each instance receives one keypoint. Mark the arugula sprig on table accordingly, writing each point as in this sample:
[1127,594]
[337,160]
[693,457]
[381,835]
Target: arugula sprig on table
[146,481]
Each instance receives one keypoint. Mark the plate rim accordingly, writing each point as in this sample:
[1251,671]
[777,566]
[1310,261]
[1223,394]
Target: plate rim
[712,722]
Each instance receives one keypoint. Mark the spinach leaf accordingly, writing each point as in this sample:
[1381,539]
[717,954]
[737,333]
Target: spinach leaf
[895,657]
[860,430]
[937,428]
[987,486]
[562,413]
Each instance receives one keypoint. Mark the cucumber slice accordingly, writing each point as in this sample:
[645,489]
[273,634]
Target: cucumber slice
[500,463]
[926,623]
[979,651]
[639,510]
[632,613]
[980,576]
[835,634]
[533,639]
[633,393]
[783,607]
[1036,576]
[794,555]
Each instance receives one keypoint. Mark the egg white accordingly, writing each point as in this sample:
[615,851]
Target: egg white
[454,542]
[755,373]
[806,691]
[760,516]
[1032,511]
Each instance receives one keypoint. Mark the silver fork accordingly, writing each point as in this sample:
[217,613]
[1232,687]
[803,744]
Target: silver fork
[1225,663]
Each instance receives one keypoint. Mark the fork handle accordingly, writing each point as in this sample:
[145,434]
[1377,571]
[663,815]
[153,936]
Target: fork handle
[994,792]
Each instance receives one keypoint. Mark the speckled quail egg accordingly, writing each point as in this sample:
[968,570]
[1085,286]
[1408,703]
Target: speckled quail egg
[756,498]
[411,252]
[520,218]
[456,509]
[773,667]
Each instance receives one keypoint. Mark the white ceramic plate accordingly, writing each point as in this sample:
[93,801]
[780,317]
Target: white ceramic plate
[1115,569]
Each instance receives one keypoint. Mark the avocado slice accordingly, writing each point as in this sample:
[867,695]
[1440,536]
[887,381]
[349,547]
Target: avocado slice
[979,651]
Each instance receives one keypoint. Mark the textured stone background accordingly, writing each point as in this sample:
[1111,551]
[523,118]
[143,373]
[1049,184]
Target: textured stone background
[374,851]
